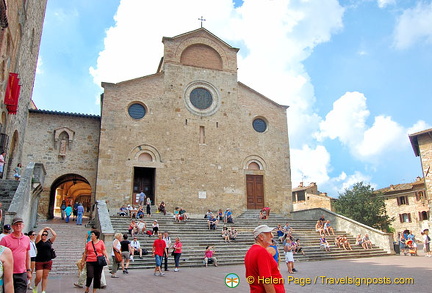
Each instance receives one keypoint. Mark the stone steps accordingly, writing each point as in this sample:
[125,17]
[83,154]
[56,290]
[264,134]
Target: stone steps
[7,192]
[195,236]
[69,244]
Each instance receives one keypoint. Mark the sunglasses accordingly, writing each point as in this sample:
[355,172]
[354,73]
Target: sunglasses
[44,234]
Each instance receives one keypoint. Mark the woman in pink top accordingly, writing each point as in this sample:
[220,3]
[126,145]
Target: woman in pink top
[209,256]
[177,253]
[94,248]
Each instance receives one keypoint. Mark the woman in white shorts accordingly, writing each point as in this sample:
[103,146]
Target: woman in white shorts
[289,257]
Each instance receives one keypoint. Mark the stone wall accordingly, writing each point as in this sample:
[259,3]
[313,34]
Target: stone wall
[313,201]
[414,206]
[81,152]
[341,223]
[20,43]
[425,147]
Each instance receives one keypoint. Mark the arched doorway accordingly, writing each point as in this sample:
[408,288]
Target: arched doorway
[72,188]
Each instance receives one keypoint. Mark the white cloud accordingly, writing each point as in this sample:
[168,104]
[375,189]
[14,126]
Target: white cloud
[414,26]
[347,120]
[310,165]
[384,3]
[349,181]
[39,66]
[419,126]
[385,135]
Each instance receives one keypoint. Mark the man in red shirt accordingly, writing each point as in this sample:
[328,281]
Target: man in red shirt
[20,246]
[158,252]
[262,271]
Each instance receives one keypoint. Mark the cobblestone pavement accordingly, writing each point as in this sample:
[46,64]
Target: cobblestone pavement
[415,271]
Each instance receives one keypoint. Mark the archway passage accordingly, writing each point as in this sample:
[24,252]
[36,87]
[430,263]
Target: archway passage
[71,188]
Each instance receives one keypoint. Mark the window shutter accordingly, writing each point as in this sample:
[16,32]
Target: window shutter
[400,218]
[417,196]
[398,201]
[409,217]
[406,200]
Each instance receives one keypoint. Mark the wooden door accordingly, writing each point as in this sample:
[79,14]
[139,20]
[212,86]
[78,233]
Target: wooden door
[255,191]
[144,179]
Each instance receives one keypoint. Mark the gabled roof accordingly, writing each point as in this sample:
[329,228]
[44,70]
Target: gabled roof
[414,140]
[261,95]
[204,30]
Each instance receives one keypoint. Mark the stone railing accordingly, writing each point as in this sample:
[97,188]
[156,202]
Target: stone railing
[341,223]
[26,199]
[102,222]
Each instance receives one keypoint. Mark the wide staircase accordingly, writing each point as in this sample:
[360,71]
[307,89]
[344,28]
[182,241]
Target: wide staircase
[195,236]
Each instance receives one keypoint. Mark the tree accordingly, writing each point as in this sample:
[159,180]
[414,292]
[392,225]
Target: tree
[364,205]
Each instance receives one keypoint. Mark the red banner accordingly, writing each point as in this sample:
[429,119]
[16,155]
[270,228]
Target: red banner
[12,93]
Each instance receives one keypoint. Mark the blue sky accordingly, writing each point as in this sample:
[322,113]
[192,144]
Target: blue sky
[355,73]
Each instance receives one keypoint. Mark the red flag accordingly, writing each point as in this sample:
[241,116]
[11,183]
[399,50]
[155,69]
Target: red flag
[12,93]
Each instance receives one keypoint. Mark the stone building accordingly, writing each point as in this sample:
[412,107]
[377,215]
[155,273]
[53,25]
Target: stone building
[67,145]
[190,135]
[407,204]
[308,197]
[21,23]
[422,145]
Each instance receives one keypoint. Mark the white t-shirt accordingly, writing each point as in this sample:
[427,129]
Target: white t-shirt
[135,244]
[167,241]
[32,249]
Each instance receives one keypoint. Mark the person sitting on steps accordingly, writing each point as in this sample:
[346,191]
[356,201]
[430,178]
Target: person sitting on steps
[212,223]
[136,247]
[225,234]
[208,256]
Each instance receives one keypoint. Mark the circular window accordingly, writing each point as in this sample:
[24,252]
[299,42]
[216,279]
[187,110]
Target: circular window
[259,125]
[201,98]
[137,111]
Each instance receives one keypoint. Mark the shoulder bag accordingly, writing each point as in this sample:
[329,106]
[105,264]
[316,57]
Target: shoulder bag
[118,256]
[52,251]
[101,260]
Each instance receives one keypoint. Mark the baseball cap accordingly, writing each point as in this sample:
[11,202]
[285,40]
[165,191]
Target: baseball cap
[7,227]
[17,220]
[261,229]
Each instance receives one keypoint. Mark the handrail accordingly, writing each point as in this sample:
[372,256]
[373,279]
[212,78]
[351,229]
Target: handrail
[102,221]
[27,195]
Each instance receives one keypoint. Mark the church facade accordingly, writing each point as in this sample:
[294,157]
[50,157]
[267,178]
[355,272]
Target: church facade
[190,135]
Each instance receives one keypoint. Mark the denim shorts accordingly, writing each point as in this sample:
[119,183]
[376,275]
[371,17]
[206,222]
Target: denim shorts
[158,260]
